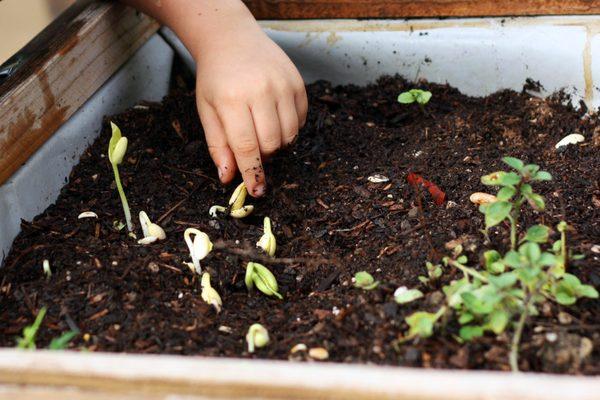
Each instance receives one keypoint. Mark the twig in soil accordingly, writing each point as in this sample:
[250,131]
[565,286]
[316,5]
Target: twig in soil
[192,173]
[175,207]
[249,252]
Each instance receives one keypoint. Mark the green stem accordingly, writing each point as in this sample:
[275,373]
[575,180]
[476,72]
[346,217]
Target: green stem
[468,271]
[123,198]
[513,230]
[514,348]
[563,249]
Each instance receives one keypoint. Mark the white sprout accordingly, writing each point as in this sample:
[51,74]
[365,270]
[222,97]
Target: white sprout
[216,209]
[46,268]
[199,246]
[267,241]
[152,231]
[257,337]
[209,294]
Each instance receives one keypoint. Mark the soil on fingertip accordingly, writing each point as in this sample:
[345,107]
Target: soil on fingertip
[330,222]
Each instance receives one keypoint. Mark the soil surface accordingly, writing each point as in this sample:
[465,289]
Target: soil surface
[330,222]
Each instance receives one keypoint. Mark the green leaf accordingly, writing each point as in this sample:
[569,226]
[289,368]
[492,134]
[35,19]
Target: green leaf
[506,193]
[471,332]
[365,280]
[512,259]
[530,170]
[537,234]
[503,281]
[407,296]
[423,97]
[423,279]
[514,162]
[465,318]
[476,305]
[542,176]
[497,212]
[526,189]
[587,291]
[501,178]
[531,251]
[462,260]
[454,290]
[406,98]
[498,321]
[536,201]
[565,299]
[62,342]
[421,323]
[491,258]
[547,260]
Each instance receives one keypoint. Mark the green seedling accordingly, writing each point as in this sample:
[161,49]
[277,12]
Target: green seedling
[515,190]
[510,287]
[267,242]
[364,280]
[418,96]
[27,341]
[264,280]
[62,342]
[404,295]
[434,272]
[116,152]
[257,337]
[200,246]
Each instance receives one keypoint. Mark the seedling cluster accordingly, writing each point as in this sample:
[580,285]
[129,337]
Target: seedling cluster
[511,286]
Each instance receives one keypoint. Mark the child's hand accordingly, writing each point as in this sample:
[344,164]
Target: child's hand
[251,98]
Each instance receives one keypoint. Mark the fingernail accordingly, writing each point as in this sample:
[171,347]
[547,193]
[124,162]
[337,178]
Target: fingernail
[258,190]
[220,172]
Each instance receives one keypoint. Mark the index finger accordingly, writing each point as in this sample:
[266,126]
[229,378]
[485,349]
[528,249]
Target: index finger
[241,136]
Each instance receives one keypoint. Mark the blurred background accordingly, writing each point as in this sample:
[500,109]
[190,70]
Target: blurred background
[21,20]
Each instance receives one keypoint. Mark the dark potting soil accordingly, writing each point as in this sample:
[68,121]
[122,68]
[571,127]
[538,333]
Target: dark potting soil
[330,222]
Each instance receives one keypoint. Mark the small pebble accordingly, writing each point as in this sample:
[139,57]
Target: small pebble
[413,212]
[451,204]
[551,337]
[564,318]
[595,249]
[318,353]
[225,329]
[153,267]
[335,311]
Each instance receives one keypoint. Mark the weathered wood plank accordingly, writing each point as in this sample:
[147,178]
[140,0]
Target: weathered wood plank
[299,9]
[63,67]
[70,375]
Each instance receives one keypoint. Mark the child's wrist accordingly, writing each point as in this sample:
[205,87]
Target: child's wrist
[198,30]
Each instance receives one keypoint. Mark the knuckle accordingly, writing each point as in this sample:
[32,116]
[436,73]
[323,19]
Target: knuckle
[245,147]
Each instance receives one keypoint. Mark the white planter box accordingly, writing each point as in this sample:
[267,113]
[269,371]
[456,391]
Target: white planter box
[478,56]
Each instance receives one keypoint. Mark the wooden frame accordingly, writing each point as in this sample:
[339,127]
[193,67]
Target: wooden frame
[62,68]
[77,376]
[300,9]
